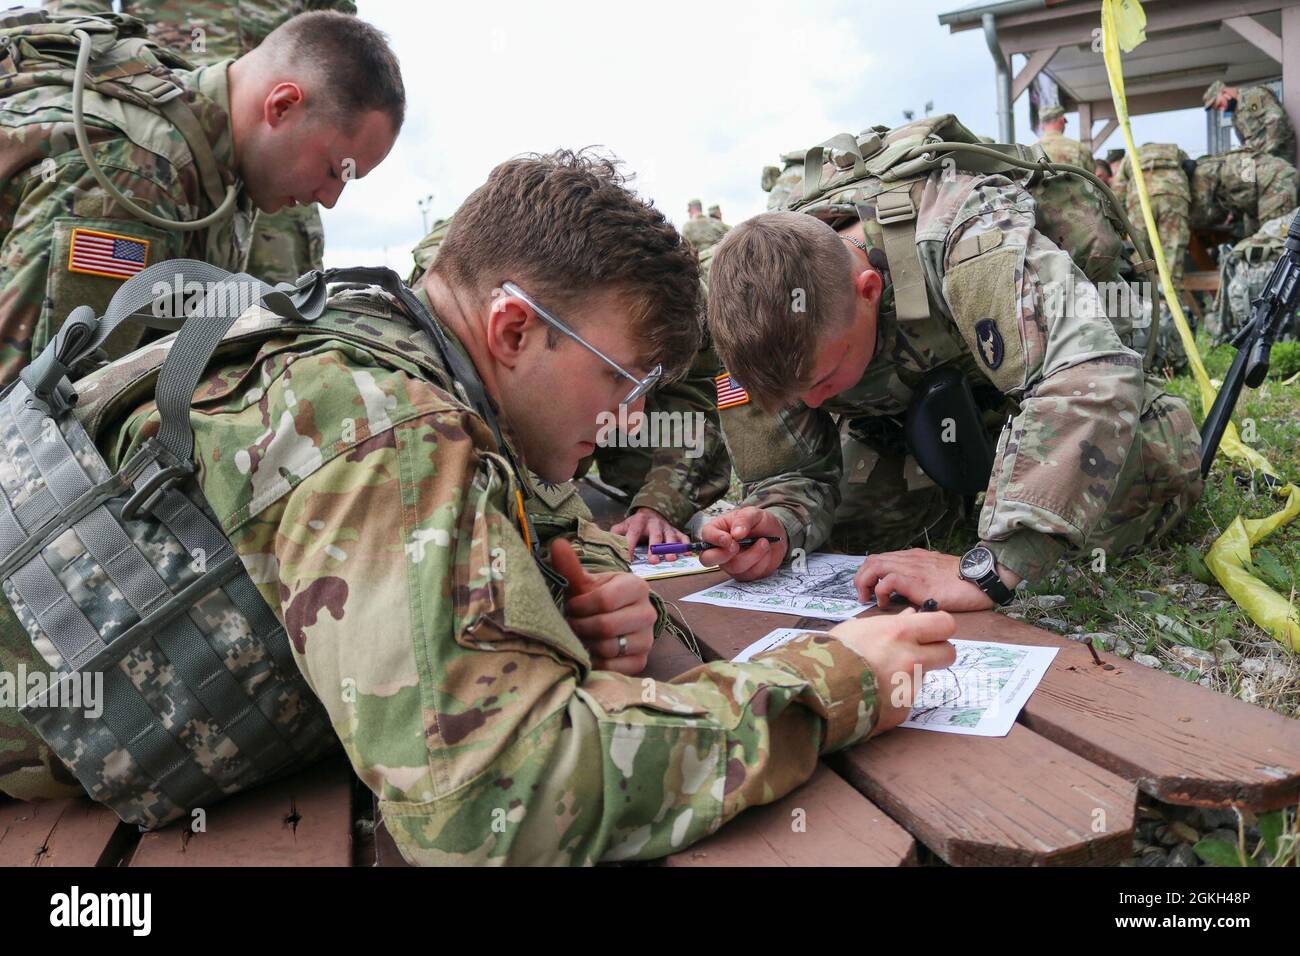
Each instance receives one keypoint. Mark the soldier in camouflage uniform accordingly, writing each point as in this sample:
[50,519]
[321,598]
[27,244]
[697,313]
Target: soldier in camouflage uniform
[378,515]
[1089,453]
[702,231]
[1250,187]
[1164,169]
[1259,119]
[666,484]
[1059,147]
[52,210]
[287,243]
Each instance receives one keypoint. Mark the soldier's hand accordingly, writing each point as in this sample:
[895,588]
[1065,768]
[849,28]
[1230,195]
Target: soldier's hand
[604,607]
[744,564]
[652,527]
[900,648]
[920,575]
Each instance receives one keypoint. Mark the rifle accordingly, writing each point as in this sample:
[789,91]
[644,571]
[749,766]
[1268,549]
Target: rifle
[1274,306]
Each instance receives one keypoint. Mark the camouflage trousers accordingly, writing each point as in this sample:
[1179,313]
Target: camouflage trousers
[889,504]
[286,244]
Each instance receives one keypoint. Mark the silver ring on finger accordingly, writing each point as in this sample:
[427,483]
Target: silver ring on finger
[622,646]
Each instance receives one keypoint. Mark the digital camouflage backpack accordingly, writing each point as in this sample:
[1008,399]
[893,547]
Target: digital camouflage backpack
[172,682]
[1243,272]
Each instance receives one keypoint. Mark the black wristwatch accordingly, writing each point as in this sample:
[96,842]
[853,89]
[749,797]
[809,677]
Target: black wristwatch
[980,568]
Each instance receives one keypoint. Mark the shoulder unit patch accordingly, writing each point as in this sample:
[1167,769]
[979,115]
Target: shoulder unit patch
[992,348]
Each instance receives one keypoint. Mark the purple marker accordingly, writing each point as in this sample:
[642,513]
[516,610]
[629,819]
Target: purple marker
[695,547]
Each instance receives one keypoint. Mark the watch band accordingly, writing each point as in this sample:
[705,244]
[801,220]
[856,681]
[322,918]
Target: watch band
[993,586]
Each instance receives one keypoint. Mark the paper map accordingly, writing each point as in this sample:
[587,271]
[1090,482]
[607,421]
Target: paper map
[684,564]
[822,587]
[983,691]
[980,695]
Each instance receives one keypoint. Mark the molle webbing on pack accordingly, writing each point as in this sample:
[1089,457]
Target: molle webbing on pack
[129,578]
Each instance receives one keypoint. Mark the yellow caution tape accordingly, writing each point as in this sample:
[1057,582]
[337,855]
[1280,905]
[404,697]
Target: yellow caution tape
[1123,24]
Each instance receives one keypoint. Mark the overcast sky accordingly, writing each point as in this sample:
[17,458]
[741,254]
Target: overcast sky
[697,97]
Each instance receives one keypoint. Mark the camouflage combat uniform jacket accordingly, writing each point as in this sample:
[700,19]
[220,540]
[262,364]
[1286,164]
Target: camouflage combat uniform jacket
[376,515]
[703,232]
[1006,319]
[1062,149]
[1262,123]
[43,204]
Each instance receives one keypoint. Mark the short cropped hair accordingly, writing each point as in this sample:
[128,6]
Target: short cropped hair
[359,67]
[565,225]
[778,284]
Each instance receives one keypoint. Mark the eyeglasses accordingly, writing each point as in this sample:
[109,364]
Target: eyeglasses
[640,385]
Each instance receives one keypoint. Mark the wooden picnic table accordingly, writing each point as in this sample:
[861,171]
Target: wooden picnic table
[1061,788]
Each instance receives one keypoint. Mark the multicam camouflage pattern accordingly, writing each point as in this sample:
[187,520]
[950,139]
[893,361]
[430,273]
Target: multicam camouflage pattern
[703,231]
[1062,149]
[1251,187]
[286,244]
[206,31]
[354,486]
[292,241]
[1083,443]
[47,191]
[663,479]
[1262,124]
[1244,272]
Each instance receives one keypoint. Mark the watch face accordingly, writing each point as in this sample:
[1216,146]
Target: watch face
[976,563]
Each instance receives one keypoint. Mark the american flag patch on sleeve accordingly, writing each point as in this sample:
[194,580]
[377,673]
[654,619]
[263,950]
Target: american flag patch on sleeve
[106,254]
[730,391]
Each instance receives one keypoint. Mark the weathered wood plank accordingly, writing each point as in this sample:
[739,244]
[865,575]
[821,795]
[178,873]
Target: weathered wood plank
[1182,743]
[1017,800]
[825,822]
[305,820]
[69,832]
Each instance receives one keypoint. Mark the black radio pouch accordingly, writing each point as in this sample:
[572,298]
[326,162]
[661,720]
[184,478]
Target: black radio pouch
[946,435]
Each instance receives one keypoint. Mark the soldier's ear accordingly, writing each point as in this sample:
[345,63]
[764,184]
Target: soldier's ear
[283,98]
[869,285]
[508,329]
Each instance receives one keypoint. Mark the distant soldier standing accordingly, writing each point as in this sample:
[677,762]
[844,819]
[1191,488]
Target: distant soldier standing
[1059,147]
[700,230]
